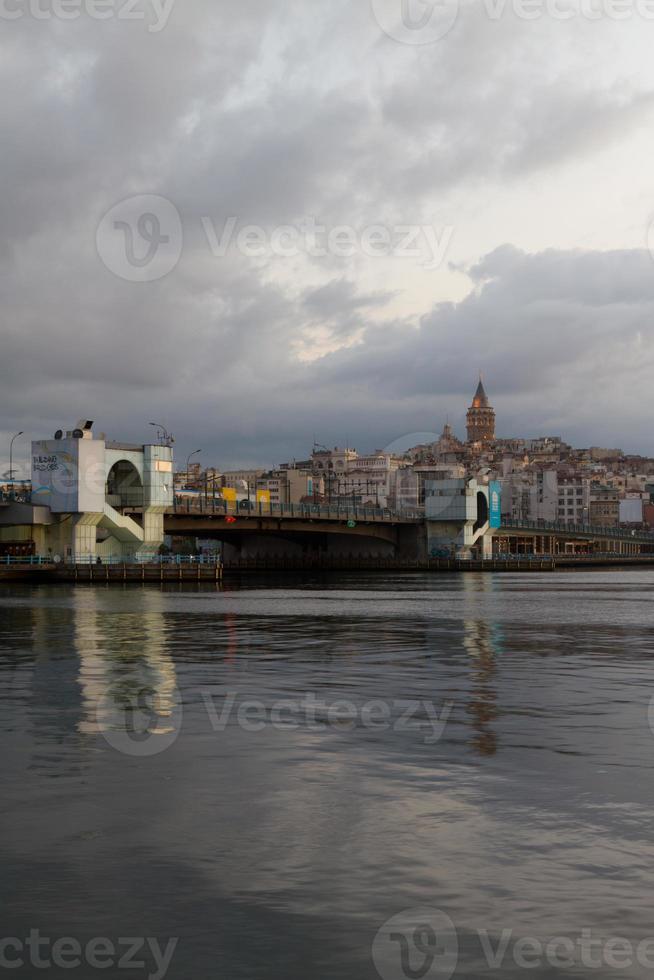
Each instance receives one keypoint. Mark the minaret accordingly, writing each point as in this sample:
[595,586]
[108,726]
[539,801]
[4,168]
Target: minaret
[480,421]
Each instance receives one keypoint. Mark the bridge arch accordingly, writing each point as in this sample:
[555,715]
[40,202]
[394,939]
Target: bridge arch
[124,487]
[482,510]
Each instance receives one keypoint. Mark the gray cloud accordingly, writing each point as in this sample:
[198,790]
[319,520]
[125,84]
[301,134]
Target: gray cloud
[272,113]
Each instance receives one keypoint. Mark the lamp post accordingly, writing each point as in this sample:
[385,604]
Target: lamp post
[188,462]
[165,436]
[11,458]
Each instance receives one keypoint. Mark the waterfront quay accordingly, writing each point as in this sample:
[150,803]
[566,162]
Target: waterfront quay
[177,569]
[189,569]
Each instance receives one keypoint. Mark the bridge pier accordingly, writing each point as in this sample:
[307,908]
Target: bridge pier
[412,542]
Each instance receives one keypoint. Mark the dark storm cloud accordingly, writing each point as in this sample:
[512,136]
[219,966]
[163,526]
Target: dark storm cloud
[272,112]
[558,334]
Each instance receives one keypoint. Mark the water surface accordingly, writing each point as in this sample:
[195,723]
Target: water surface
[306,758]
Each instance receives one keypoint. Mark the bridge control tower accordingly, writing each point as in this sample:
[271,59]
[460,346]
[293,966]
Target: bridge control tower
[85,484]
[459,515]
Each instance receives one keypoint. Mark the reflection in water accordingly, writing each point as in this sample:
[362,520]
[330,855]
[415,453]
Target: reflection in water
[127,675]
[232,638]
[279,852]
[483,641]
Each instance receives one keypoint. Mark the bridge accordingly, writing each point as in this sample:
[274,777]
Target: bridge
[458,526]
[341,529]
[298,530]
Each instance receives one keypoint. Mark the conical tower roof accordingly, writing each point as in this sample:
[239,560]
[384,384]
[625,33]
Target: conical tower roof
[481,398]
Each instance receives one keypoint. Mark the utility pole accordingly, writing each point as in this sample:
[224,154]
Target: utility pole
[11,459]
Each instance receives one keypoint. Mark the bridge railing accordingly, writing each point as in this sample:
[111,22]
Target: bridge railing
[596,530]
[330,512]
[529,556]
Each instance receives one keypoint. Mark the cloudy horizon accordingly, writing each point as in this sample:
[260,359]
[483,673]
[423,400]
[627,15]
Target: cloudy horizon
[349,221]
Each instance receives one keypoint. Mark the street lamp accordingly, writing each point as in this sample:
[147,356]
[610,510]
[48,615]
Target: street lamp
[165,436]
[188,461]
[11,457]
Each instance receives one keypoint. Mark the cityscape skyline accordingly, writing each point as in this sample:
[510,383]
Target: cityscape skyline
[458,422]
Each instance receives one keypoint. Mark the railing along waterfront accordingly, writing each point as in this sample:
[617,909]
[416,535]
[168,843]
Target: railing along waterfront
[39,560]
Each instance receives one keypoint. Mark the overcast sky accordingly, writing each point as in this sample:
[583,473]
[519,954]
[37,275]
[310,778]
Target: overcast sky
[510,157]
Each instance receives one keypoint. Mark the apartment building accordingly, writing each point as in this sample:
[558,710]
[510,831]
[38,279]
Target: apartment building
[604,507]
[573,498]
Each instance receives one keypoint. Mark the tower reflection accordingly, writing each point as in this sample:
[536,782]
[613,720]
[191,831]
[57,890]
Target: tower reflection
[483,641]
[126,673]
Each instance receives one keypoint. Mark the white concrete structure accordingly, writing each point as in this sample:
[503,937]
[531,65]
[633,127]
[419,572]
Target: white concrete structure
[457,514]
[87,484]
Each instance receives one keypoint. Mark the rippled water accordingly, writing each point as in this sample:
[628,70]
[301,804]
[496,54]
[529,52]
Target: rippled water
[271,772]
